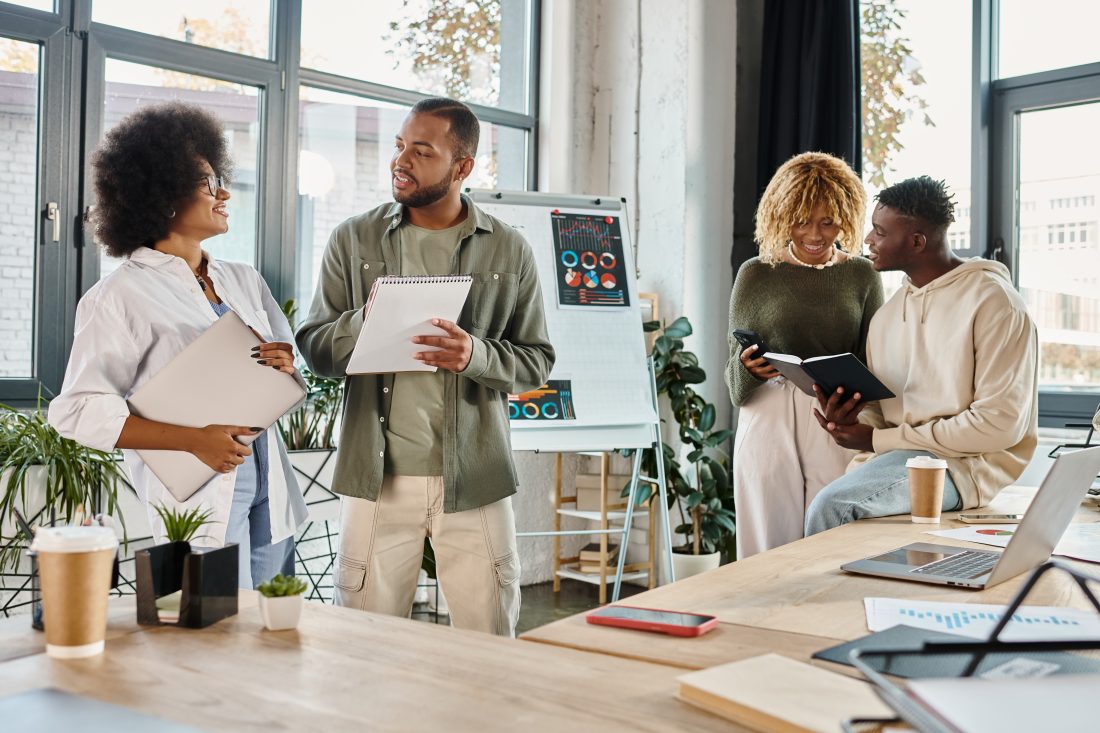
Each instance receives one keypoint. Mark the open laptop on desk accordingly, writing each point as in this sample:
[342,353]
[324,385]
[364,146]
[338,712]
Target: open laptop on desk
[1043,524]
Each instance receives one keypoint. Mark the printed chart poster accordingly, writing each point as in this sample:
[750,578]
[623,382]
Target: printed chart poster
[590,269]
[552,401]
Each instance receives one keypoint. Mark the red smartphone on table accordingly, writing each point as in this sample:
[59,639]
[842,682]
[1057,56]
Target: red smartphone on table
[676,623]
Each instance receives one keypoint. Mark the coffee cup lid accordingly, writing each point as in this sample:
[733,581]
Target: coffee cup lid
[74,539]
[925,462]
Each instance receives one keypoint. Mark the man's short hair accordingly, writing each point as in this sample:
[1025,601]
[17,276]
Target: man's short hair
[465,130]
[921,198]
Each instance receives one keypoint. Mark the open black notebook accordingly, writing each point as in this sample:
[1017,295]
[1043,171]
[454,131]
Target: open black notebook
[830,372]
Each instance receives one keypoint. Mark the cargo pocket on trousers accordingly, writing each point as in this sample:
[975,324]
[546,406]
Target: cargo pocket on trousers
[507,570]
[350,575]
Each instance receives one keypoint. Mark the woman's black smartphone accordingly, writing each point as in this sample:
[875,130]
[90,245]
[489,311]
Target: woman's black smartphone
[747,338]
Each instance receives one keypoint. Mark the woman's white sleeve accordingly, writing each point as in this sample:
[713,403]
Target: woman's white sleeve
[91,408]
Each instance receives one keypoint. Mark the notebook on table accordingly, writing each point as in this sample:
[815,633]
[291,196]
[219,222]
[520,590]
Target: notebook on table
[214,381]
[774,694]
[399,308]
[910,639]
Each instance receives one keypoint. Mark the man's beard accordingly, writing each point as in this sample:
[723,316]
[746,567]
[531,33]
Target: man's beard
[424,196]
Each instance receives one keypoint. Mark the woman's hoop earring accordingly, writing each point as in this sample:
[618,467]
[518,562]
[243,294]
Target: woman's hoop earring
[172,215]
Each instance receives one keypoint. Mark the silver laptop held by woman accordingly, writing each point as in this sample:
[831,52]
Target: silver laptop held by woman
[214,381]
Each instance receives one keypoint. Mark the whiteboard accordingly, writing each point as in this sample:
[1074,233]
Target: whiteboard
[590,297]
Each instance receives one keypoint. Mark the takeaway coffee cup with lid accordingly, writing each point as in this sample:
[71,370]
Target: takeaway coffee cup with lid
[926,477]
[74,564]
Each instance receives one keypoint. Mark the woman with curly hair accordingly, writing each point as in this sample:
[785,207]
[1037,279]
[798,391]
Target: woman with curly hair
[160,186]
[808,293]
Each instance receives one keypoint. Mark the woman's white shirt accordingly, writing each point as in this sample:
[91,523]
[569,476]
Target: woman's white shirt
[128,327]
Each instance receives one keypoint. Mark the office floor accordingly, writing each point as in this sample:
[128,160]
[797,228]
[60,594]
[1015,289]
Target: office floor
[541,605]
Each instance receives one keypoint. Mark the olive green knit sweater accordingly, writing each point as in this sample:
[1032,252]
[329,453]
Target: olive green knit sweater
[801,311]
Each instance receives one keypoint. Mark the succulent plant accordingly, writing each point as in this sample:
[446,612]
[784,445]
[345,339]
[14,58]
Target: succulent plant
[281,586]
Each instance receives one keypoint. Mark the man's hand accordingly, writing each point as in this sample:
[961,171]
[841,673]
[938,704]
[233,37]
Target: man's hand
[836,409]
[456,347]
[856,436]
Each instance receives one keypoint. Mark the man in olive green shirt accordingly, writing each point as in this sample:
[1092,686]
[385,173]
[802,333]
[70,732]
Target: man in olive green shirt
[428,454]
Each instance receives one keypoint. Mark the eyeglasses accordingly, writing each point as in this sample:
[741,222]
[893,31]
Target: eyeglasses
[214,183]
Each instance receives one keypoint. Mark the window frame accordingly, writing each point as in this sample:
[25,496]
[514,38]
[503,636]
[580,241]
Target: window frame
[1004,100]
[994,138]
[72,87]
[55,262]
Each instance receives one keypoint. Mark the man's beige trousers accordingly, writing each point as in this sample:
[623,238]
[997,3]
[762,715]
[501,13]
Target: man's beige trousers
[382,543]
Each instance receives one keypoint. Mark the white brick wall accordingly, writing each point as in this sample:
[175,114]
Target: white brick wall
[18,143]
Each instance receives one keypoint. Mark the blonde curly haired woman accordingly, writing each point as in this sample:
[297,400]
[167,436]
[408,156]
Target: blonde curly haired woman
[808,293]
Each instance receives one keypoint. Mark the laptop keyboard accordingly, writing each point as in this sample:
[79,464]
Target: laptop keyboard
[964,565]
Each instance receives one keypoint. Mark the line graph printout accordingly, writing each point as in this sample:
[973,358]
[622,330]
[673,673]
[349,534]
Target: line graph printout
[1029,623]
[589,264]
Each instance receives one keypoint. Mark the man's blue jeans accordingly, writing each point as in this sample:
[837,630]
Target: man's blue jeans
[878,488]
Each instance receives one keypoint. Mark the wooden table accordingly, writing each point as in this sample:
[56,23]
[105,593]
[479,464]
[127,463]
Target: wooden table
[349,670]
[795,599]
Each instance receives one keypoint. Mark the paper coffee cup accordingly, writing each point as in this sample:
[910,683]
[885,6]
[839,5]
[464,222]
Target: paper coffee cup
[74,565]
[926,478]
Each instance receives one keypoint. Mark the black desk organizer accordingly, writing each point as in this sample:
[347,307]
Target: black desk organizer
[206,577]
[920,718]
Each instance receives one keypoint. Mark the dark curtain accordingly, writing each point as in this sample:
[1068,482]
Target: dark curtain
[809,83]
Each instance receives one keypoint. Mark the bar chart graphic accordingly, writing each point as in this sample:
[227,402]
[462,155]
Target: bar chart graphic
[589,261]
[978,620]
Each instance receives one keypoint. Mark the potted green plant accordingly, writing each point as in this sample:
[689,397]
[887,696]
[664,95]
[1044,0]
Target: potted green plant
[698,483]
[181,526]
[281,602]
[177,583]
[49,479]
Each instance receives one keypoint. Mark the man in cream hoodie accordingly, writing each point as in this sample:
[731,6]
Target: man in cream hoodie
[957,347]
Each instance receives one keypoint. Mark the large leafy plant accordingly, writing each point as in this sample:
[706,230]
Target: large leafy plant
[702,483]
[76,479]
[312,425]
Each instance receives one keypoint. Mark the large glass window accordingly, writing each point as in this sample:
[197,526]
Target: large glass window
[19,124]
[240,26]
[1039,36]
[1059,251]
[473,51]
[916,57]
[132,86]
[345,144]
[70,74]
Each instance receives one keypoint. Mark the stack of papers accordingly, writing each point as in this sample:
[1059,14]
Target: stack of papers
[1081,541]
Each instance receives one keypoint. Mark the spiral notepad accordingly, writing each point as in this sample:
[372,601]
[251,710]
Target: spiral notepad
[399,308]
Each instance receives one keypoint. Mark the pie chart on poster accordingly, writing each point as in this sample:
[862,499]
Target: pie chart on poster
[591,279]
[572,278]
[997,532]
[607,280]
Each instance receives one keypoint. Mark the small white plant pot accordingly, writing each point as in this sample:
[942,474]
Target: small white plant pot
[686,565]
[281,613]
